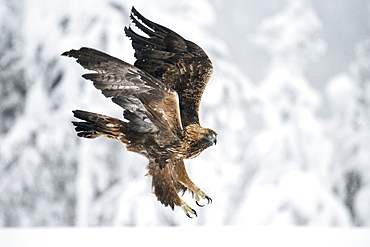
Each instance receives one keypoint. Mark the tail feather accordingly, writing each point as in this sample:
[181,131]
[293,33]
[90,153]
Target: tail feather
[95,125]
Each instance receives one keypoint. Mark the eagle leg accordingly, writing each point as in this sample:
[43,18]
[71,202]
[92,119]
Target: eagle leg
[181,176]
[164,189]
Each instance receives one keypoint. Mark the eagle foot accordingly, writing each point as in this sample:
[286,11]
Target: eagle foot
[202,195]
[188,210]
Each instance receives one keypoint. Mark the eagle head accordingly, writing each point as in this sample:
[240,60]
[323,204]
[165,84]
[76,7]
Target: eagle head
[198,139]
[210,136]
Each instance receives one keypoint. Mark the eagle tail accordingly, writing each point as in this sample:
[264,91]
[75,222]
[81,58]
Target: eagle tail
[95,125]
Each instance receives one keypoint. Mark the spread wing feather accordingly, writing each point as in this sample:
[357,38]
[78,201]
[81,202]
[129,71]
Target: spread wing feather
[179,63]
[148,104]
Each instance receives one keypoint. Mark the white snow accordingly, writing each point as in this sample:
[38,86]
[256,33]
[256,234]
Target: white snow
[186,236]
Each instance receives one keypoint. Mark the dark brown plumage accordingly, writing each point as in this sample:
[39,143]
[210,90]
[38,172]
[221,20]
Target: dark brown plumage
[160,96]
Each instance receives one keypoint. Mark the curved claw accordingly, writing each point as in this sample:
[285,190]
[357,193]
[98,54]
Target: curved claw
[188,210]
[194,212]
[209,201]
[201,194]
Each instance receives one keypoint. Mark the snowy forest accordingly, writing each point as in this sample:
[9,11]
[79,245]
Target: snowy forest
[289,99]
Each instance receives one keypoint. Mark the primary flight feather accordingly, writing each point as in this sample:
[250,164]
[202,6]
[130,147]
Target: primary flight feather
[160,95]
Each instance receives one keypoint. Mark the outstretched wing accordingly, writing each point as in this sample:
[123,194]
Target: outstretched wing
[179,63]
[149,104]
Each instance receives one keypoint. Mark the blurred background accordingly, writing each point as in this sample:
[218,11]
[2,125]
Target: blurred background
[289,99]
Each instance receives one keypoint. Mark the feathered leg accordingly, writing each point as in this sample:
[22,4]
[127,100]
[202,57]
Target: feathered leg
[182,176]
[164,189]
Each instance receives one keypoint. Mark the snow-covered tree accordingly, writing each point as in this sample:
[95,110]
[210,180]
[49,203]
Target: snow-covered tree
[278,160]
[348,97]
[292,184]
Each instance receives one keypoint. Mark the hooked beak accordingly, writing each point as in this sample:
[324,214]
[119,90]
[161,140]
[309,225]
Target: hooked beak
[213,139]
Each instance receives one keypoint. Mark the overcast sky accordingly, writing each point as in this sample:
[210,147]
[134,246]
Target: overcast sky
[344,23]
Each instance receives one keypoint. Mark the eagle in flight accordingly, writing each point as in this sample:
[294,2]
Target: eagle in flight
[160,95]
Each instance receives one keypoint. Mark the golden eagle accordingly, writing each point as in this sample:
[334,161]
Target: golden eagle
[160,95]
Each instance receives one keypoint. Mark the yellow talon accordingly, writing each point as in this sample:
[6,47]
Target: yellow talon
[188,210]
[201,194]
